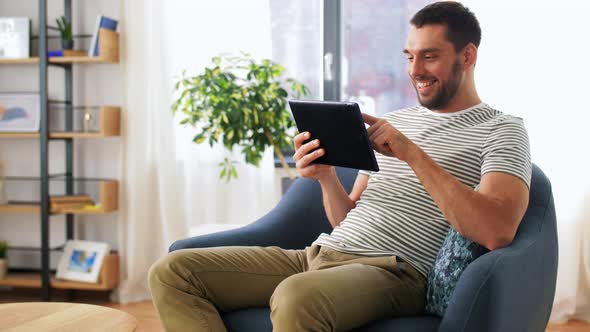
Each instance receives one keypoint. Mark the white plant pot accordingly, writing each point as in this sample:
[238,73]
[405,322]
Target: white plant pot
[3,267]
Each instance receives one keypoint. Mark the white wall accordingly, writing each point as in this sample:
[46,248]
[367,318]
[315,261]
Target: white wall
[533,62]
[93,85]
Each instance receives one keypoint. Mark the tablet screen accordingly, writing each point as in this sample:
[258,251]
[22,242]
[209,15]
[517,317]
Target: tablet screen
[340,128]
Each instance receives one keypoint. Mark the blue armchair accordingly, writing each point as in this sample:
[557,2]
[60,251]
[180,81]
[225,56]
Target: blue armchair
[509,289]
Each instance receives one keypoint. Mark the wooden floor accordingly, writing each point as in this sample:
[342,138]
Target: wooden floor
[147,317]
[571,326]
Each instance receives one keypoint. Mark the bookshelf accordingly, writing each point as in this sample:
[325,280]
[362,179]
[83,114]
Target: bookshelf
[108,50]
[33,60]
[107,280]
[108,198]
[108,125]
[20,208]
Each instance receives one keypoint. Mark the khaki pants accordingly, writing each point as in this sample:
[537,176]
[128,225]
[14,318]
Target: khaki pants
[316,289]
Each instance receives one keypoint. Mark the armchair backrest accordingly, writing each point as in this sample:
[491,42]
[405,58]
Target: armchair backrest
[538,230]
[540,204]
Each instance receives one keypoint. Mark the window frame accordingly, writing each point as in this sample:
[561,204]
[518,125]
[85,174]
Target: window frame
[331,61]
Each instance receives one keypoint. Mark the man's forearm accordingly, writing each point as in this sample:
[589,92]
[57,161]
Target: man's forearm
[477,217]
[337,203]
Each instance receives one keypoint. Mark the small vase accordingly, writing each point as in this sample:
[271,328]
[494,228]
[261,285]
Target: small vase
[67,44]
[3,267]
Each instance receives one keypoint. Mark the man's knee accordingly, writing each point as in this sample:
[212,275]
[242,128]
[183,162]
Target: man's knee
[298,304]
[168,270]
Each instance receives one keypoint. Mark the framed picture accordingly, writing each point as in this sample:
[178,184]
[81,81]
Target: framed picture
[19,112]
[82,260]
[14,37]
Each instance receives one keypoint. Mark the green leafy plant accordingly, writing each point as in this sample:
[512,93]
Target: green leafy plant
[3,248]
[240,102]
[65,28]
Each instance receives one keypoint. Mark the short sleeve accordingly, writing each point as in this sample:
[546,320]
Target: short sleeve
[507,149]
[363,172]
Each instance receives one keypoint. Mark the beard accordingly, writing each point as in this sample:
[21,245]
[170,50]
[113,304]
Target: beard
[447,92]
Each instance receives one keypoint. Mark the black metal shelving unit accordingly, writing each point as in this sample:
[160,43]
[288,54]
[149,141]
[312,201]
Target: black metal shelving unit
[67,183]
[44,144]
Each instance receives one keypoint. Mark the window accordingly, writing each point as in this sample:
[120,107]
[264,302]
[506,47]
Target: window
[373,66]
[346,50]
[296,33]
[296,41]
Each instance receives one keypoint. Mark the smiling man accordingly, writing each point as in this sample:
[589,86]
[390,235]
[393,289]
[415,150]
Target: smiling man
[452,161]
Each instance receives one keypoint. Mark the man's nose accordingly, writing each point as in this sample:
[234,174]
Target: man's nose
[416,68]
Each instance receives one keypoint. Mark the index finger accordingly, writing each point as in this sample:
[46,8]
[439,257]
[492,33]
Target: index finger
[369,119]
[300,138]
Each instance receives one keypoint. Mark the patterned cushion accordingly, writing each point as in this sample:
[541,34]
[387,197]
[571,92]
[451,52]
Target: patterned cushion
[453,257]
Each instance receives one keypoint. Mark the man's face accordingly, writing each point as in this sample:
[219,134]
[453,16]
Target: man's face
[433,65]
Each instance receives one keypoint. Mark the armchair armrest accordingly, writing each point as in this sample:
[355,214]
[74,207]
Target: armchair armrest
[510,289]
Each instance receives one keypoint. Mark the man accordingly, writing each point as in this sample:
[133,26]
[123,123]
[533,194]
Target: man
[453,160]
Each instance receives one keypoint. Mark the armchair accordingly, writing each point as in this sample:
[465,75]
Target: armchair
[510,289]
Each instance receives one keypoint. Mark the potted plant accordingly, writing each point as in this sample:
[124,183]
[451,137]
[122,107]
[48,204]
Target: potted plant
[3,260]
[65,32]
[240,102]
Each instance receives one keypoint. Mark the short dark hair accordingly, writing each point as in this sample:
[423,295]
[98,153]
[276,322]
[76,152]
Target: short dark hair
[462,25]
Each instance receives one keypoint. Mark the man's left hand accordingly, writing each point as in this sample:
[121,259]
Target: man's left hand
[386,139]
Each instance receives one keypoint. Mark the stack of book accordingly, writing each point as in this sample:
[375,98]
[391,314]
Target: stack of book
[68,202]
[66,53]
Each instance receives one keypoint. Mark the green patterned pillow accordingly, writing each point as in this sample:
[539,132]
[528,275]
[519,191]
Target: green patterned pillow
[453,257]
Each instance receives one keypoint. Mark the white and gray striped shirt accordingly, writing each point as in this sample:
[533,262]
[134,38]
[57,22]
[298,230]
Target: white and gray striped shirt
[395,215]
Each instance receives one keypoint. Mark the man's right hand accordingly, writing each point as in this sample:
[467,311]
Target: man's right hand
[308,152]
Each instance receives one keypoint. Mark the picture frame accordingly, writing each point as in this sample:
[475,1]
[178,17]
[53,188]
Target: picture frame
[15,36]
[20,112]
[82,260]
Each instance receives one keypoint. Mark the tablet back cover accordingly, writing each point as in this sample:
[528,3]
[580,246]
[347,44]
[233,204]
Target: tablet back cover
[340,128]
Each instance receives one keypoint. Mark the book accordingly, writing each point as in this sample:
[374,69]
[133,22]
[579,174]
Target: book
[63,207]
[61,202]
[69,198]
[69,201]
[65,53]
[102,22]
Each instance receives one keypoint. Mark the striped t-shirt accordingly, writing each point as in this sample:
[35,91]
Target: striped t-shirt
[395,215]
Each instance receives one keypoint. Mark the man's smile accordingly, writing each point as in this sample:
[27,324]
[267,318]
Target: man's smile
[425,86]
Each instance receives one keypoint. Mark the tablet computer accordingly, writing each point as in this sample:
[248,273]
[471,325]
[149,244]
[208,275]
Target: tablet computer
[341,130]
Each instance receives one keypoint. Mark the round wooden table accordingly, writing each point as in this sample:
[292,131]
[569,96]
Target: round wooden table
[57,316]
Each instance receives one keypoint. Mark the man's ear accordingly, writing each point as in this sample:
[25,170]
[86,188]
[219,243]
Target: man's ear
[469,55]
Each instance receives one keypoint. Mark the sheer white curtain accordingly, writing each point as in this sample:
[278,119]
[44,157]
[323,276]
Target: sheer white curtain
[531,64]
[572,299]
[198,31]
[169,184]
